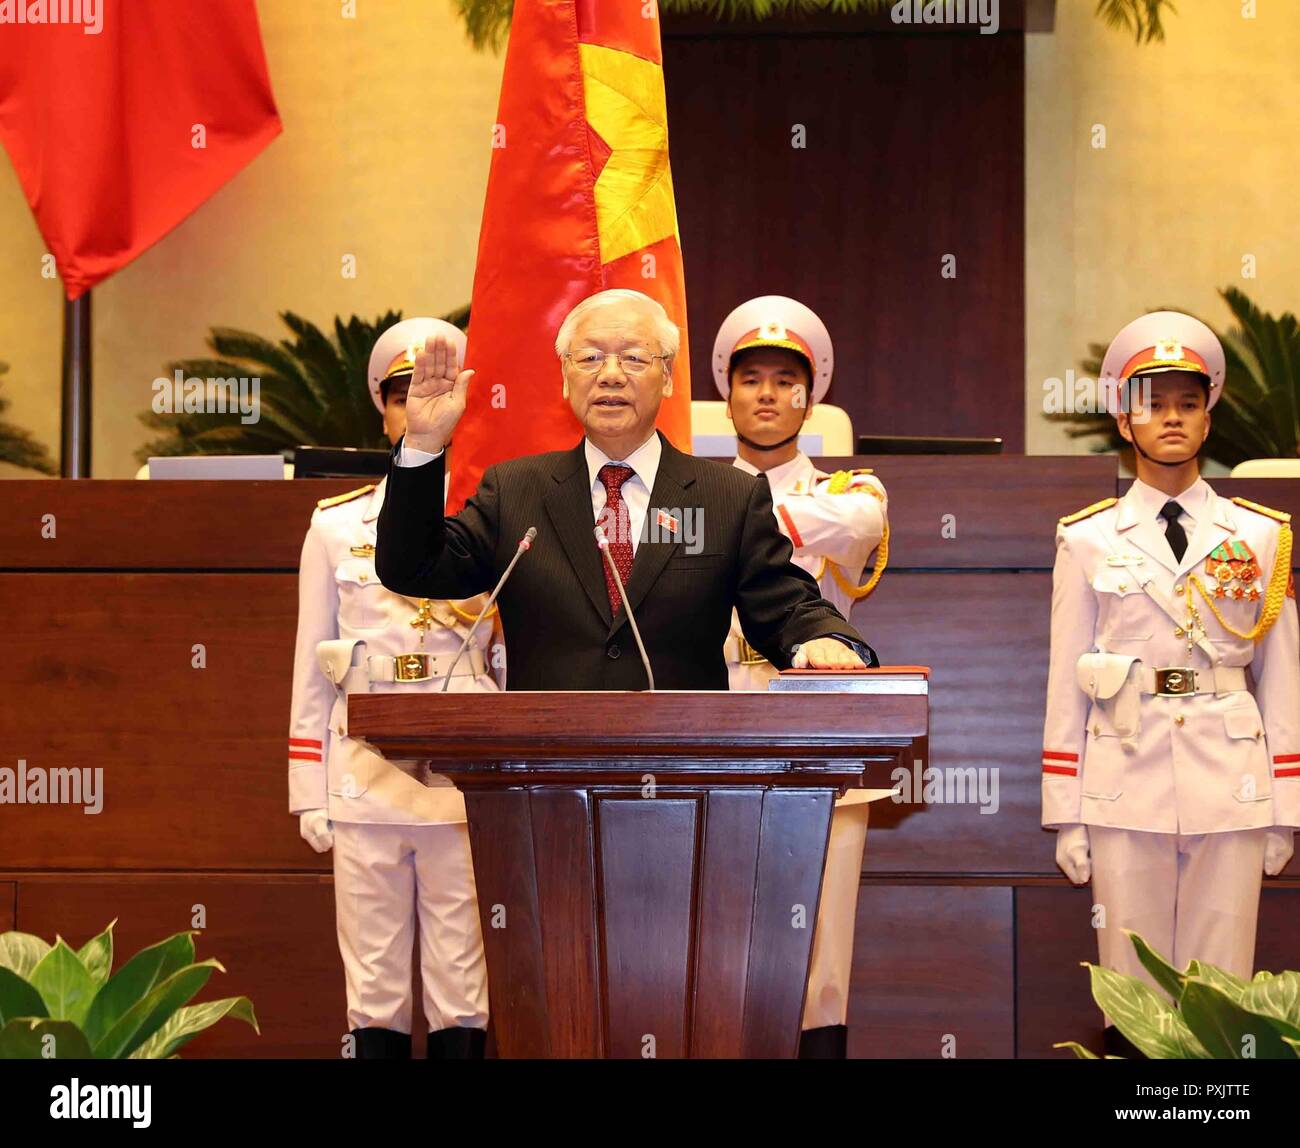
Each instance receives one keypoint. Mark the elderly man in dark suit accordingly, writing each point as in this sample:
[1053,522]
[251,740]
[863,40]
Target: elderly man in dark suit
[563,619]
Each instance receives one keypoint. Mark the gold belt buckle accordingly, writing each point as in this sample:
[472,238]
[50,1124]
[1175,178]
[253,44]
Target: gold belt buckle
[1175,681]
[748,655]
[411,668]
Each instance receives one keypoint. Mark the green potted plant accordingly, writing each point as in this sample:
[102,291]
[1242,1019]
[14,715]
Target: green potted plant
[57,1002]
[1209,1014]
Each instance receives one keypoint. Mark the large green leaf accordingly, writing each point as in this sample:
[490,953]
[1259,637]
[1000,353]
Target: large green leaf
[97,955]
[147,1016]
[135,980]
[18,998]
[187,1022]
[1075,1047]
[65,985]
[1162,972]
[1223,1028]
[21,952]
[1277,998]
[1143,1016]
[1229,984]
[42,1039]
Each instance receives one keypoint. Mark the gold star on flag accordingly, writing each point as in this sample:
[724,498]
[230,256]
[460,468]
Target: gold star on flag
[627,111]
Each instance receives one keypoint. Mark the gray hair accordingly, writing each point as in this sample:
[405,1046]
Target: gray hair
[665,329]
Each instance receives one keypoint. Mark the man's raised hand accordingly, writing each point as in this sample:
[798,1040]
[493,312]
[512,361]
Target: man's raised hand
[435,399]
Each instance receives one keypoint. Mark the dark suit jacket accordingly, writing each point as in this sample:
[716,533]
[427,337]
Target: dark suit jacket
[555,607]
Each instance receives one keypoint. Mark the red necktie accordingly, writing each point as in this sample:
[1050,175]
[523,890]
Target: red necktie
[618,529]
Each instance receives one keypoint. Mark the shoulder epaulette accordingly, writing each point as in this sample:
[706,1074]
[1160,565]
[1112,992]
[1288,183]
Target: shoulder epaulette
[1277,515]
[1088,511]
[841,480]
[340,499]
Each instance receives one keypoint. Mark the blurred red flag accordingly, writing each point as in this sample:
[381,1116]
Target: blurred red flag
[118,134]
[579,199]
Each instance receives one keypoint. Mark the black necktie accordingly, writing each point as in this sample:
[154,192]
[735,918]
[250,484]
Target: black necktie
[1174,531]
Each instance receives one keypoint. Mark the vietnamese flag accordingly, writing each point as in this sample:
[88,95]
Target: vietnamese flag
[122,117]
[579,199]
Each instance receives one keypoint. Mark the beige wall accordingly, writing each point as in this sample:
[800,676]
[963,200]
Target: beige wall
[384,155]
[1201,167]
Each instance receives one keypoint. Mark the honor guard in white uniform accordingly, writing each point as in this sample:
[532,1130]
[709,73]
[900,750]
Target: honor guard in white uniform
[772,359]
[400,841]
[1171,782]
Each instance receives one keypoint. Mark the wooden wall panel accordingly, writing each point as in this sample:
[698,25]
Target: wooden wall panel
[856,220]
[932,969]
[193,760]
[984,637]
[974,512]
[1054,934]
[111,524]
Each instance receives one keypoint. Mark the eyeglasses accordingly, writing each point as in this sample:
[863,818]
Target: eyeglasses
[632,362]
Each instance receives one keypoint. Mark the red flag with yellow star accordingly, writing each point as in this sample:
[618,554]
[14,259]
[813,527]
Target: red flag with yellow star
[579,199]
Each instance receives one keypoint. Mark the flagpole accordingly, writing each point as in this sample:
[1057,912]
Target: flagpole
[75,458]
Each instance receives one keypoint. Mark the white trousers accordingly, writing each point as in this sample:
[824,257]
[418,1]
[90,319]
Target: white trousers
[827,999]
[1190,896]
[385,876]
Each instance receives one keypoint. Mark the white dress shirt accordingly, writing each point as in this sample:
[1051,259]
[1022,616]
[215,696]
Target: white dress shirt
[644,462]
[1192,500]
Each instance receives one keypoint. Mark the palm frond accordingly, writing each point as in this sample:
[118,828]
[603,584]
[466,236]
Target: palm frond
[19,447]
[312,390]
[1141,17]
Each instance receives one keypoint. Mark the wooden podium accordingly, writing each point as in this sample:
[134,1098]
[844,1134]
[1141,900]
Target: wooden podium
[648,865]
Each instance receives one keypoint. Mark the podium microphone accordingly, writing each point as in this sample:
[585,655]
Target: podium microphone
[603,543]
[525,543]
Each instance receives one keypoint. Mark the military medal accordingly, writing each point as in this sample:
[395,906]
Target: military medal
[1235,569]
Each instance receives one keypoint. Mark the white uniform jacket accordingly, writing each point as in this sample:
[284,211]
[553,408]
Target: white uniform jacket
[842,529]
[340,597]
[1116,754]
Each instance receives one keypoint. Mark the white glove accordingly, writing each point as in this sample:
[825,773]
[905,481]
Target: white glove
[314,825]
[1072,853]
[1278,846]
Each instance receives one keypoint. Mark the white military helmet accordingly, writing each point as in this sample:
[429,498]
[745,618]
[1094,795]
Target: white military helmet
[774,321]
[396,348]
[1163,341]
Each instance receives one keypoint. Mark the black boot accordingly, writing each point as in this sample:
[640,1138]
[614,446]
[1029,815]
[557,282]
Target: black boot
[457,1044]
[831,1042]
[382,1044]
[1115,1043]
